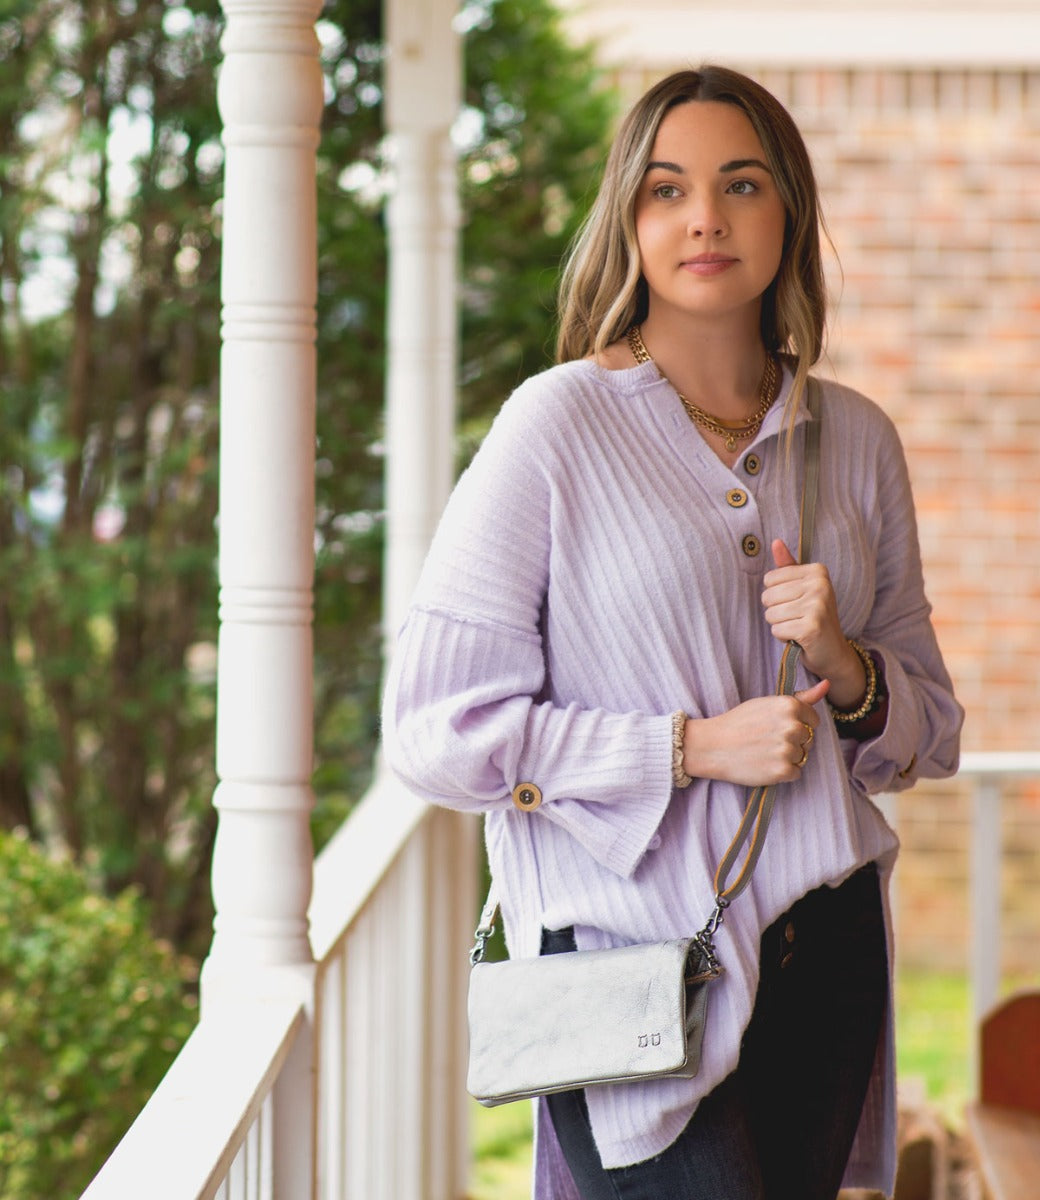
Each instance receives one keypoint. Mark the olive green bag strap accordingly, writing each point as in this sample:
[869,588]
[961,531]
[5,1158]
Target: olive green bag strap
[759,808]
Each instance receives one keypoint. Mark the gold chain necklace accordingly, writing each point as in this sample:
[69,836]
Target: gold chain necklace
[731,431]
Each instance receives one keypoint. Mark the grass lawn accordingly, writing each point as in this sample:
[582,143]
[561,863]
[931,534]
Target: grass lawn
[934,1039]
[502,1152]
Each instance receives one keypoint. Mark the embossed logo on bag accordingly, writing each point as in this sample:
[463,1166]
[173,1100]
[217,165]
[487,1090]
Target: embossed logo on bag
[649,1039]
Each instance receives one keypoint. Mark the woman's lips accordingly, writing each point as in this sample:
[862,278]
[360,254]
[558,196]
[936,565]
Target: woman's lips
[708,264]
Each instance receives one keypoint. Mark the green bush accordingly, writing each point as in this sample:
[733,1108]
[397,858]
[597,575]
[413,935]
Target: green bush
[92,1011]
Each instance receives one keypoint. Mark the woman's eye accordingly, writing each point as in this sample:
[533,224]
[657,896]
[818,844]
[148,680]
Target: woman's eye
[742,187]
[666,191]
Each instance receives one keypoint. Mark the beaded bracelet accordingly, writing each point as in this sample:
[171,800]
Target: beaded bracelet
[679,776]
[870,697]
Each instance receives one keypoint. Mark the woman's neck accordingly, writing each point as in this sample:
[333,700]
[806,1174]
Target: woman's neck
[719,370]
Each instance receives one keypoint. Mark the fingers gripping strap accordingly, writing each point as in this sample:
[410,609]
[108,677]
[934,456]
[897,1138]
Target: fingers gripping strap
[759,808]
[787,676]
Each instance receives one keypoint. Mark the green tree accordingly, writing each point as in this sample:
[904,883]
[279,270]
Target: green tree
[92,1012]
[543,115]
[110,178]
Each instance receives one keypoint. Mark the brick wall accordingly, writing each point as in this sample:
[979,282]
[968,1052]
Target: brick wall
[931,189]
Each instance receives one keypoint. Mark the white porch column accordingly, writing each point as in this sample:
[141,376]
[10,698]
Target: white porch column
[270,97]
[271,100]
[423,92]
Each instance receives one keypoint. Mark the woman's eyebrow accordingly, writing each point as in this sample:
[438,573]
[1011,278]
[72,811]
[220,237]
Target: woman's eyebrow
[742,164]
[727,168]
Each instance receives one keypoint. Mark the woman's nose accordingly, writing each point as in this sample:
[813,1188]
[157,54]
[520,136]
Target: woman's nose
[706,220]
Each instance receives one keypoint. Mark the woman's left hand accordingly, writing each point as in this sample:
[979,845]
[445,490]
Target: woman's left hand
[800,606]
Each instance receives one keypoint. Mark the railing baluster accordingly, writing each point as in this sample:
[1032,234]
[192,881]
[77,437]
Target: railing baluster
[986,889]
[332,1052]
[251,1163]
[237,1181]
[266,1128]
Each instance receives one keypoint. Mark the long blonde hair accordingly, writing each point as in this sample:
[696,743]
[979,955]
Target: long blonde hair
[602,291]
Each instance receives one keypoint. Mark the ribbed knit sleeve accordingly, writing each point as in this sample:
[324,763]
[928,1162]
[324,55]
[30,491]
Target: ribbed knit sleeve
[922,735]
[464,714]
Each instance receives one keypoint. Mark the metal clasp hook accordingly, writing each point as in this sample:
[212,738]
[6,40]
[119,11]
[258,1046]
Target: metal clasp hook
[483,933]
[721,904]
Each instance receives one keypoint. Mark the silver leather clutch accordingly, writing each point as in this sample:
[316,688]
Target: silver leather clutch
[571,1020]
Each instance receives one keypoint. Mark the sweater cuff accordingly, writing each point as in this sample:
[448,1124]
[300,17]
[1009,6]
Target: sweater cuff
[886,761]
[614,806]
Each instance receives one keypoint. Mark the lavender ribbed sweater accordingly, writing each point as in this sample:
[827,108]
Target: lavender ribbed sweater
[590,577]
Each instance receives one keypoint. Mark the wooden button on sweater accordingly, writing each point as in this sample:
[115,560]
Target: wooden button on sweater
[527,796]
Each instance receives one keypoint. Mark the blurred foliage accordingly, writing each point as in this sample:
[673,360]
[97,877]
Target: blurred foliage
[110,185]
[92,1012]
[527,182]
[110,180]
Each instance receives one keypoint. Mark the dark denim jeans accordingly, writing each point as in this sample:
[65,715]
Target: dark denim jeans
[782,1125]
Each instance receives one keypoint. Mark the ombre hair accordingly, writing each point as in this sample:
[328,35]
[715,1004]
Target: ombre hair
[603,293]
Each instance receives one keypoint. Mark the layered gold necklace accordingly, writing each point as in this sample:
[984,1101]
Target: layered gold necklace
[731,431]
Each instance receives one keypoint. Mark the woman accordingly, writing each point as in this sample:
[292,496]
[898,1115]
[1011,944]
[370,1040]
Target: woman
[591,656]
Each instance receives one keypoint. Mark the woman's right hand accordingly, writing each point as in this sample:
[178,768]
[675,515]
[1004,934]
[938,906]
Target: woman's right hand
[762,741]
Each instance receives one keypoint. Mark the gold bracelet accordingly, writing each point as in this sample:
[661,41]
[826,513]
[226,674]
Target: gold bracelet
[679,777]
[869,697]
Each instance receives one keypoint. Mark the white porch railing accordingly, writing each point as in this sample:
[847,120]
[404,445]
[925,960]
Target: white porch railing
[392,920]
[990,773]
[392,916]
[206,1132]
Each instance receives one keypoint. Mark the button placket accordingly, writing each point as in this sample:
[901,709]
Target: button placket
[742,517]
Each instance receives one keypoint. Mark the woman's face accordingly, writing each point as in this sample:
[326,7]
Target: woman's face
[709,218]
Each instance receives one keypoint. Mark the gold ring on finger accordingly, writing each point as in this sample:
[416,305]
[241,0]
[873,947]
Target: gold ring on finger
[810,731]
[805,756]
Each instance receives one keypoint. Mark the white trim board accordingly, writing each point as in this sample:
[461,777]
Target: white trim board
[911,39]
